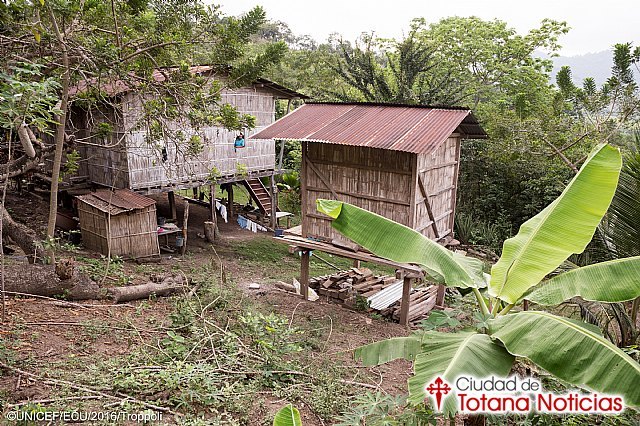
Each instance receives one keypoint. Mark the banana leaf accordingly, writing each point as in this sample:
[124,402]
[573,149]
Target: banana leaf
[287,416]
[613,281]
[564,227]
[450,355]
[387,350]
[391,240]
[571,351]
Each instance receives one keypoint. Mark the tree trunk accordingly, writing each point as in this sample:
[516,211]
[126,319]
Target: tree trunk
[60,129]
[165,288]
[41,280]
[24,237]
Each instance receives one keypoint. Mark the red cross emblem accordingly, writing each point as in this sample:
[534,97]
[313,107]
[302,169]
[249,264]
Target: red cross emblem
[439,388]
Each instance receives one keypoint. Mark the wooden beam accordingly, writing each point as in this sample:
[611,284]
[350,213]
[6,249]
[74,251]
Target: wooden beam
[304,226]
[304,274]
[404,302]
[361,167]
[412,196]
[440,297]
[230,202]
[322,178]
[455,184]
[363,196]
[439,166]
[172,205]
[425,194]
[274,209]
[185,224]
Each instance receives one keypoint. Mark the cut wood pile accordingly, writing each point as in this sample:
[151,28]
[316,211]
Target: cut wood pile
[359,288]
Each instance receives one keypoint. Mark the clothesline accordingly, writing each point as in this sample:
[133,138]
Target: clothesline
[250,225]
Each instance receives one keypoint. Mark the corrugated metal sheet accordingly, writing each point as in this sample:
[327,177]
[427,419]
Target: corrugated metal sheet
[409,128]
[116,202]
[159,75]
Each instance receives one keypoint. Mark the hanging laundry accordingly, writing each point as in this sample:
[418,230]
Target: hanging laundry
[250,225]
[223,210]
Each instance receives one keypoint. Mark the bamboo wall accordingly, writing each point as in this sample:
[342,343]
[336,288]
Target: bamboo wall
[133,234]
[137,163]
[382,181]
[439,174]
[374,179]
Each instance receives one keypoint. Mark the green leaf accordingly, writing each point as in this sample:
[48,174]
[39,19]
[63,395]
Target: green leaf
[564,227]
[571,351]
[387,350]
[450,355]
[391,240]
[287,416]
[613,281]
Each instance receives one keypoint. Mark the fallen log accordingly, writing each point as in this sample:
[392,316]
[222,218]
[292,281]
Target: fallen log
[143,291]
[24,237]
[41,280]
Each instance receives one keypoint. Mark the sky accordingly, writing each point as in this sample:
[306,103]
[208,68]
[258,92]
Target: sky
[595,25]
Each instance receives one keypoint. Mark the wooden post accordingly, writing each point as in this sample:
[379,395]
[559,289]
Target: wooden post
[230,202]
[212,204]
[172,205]
[274,222]
[304,274]
[404,303]
[356,263]
[195,192]
[440,297]
[303,191]
[185,223]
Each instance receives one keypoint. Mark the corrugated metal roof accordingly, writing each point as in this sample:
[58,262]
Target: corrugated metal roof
[112,87]
[417,129]
[116,202]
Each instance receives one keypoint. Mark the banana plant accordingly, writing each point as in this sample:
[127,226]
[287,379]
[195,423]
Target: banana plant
[572,350]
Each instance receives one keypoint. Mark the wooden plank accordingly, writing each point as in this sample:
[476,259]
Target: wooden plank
[322,178]
[303,243]
[425,194]
[304,274]
[362,196]
[404,302]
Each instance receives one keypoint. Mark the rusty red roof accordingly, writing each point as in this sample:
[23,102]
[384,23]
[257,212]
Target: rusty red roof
[113,87]
[116,202]
[410,128]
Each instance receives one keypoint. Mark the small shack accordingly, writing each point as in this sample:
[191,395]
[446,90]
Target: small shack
[399,161]
[119,222]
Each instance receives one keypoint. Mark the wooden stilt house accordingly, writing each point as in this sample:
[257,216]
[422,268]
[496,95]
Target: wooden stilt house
[399,161]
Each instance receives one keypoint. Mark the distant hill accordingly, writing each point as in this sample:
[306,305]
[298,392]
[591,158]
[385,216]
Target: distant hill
[596,65]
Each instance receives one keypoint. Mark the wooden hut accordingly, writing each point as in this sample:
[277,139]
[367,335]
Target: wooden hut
[125,157]
[399,161]
[119,222]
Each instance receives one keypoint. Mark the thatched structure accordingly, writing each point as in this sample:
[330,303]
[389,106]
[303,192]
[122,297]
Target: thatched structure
[119,222]
[399,161]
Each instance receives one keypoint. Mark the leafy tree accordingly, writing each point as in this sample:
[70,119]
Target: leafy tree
[98,43]
[392,71]
[569,349]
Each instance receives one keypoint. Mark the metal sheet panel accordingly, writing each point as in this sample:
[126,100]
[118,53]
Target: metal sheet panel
[408,128]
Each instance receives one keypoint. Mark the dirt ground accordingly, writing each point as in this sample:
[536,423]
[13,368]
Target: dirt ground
[48,336]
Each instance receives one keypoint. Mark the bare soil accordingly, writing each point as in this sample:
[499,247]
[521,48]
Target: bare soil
[41,336]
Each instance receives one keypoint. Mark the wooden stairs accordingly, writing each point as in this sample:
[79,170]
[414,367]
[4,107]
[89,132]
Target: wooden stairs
[259,194]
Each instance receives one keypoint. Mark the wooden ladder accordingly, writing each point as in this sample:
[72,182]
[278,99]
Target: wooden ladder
[260,195]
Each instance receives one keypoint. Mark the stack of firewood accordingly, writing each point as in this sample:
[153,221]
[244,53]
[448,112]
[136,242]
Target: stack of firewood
[359,284]
[421,302]
[346,284]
